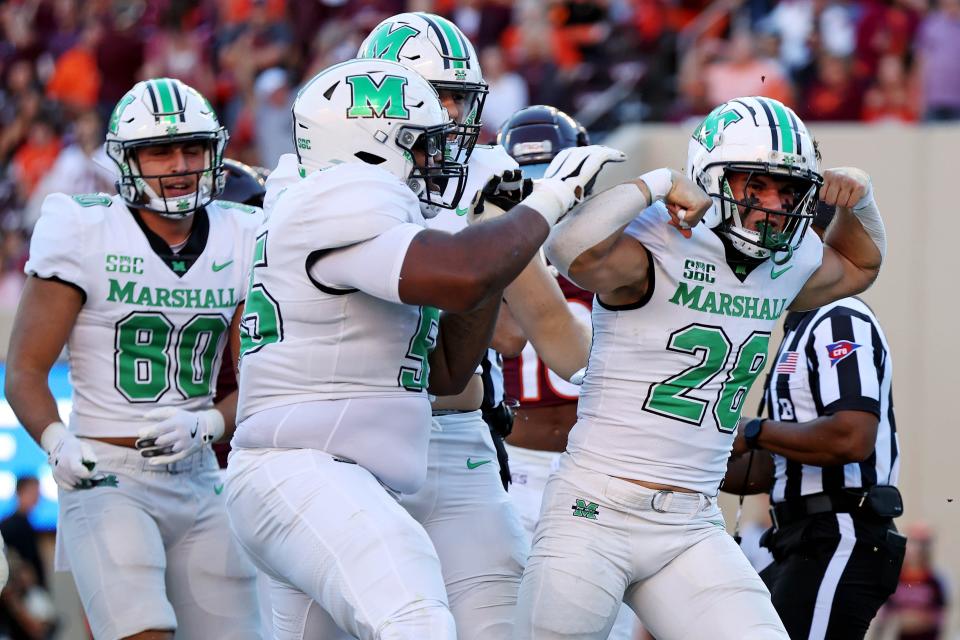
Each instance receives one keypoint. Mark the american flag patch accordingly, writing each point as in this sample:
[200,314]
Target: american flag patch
[787,362]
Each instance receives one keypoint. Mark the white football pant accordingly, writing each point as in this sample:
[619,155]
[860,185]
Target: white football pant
[529,471]
[155,551]
[601,540]
[329,534]
[474,526]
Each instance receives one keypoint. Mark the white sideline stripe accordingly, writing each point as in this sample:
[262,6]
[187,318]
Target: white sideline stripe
[831,577]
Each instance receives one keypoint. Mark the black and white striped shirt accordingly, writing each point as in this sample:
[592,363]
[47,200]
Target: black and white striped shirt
[831,359]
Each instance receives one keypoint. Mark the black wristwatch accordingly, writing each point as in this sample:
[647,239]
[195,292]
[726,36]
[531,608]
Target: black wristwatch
[751,433]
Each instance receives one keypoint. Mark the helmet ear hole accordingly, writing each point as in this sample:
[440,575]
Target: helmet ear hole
[369,158]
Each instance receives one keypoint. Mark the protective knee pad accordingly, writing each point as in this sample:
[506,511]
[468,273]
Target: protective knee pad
[424,620]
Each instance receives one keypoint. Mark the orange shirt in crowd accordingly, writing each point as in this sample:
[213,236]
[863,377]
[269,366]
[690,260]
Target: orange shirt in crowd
[33,160]
[75,80]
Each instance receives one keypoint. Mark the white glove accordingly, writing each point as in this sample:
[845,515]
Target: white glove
[501,193]
[568,180]
[578,167]
[71,459]
[179,433]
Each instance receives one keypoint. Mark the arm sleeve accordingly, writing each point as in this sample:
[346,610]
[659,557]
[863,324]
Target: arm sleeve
[372,266]
[846,359]
[650,227]
[58,242]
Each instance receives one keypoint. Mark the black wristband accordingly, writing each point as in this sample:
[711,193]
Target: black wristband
[751,433]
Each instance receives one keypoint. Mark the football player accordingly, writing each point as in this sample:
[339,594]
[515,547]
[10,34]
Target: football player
[341,339]
[681,324]
[558,328]
[143,288]
[463,506]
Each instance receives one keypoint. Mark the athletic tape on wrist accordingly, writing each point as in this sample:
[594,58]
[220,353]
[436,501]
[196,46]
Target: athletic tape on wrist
[868,214]
[659,182]
[551,198]
[216,425]
[52,436]
[592,222]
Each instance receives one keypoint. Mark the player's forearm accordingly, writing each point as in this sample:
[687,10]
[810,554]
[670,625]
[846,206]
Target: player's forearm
[462,340]
[588,233]
[460,272]
[539,307]
[31,399]
[826,441]
[228,407]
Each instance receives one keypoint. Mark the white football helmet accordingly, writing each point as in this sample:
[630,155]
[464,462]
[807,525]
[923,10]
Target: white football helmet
[379,112]
[165,111]
[761,136]
[435,48]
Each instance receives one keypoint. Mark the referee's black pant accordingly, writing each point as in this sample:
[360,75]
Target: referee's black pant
[831,573]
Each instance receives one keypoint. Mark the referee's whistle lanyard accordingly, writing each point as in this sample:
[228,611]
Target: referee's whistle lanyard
[746,478]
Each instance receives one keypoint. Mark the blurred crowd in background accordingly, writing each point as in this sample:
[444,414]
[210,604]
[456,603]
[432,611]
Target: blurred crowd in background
[65,63]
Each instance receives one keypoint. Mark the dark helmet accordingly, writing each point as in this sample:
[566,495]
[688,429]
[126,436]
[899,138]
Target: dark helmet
[533,136]
[245,184]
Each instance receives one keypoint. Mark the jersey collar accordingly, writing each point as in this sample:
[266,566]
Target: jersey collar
[179,263]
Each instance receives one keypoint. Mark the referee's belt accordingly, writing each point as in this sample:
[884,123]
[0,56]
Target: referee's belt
[854,502]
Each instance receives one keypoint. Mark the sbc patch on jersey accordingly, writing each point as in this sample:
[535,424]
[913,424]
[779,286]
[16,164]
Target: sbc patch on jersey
[840,350]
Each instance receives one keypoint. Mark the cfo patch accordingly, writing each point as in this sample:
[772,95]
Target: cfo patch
[840,350]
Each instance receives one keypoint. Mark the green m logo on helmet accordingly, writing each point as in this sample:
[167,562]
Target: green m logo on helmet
[372,100]
[387,41]
[708,132]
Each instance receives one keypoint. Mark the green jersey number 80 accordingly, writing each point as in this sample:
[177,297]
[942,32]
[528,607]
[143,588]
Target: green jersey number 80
[143,355]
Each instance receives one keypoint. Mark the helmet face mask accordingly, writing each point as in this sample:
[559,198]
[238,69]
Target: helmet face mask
[436,49]
[384,114]
[162,112]
[779,230]
[432,169]
[756,137]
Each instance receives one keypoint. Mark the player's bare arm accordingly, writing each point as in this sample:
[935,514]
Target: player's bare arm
[846,436]
[540,310]
[854,243]
[591,249]
[462,340]
[45,317]
[508,338]
[458,272]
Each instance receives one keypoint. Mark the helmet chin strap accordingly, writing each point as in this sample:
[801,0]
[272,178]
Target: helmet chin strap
[786,259]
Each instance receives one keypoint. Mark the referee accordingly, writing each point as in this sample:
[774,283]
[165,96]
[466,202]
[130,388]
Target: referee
[828,454]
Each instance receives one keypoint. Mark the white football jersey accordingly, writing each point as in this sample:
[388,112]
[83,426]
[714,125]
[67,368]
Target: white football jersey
[668,376]
[153,324]
[305,341]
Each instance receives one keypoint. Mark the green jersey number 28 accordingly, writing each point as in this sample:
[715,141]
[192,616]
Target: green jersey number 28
[671,398]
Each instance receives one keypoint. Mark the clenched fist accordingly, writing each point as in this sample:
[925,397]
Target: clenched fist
[844,186]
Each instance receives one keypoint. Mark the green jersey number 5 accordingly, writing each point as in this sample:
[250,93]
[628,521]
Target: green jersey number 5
[261,323]
[417,377]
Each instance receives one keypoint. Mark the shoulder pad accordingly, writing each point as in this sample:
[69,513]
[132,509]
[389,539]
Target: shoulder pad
[238,206]
[354,202]
[93,199]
